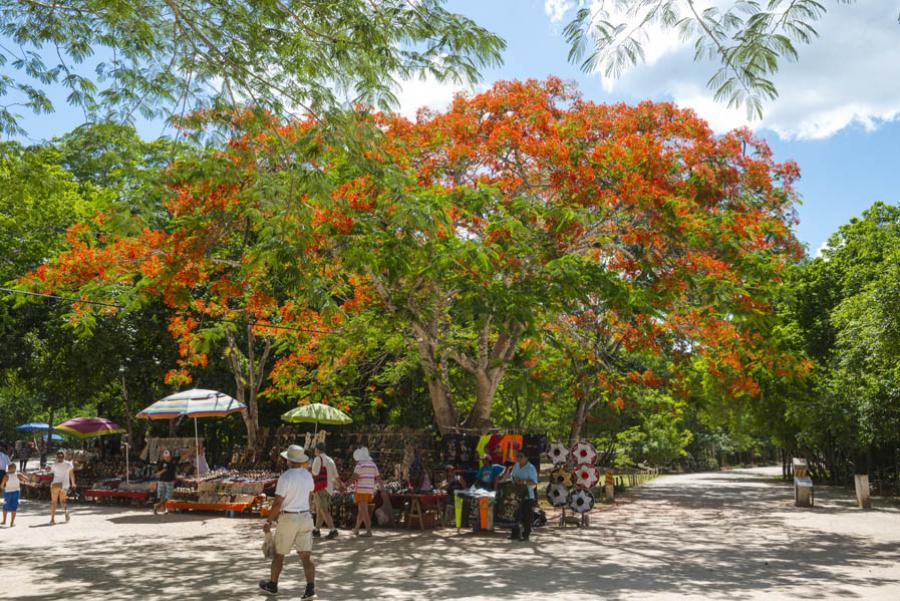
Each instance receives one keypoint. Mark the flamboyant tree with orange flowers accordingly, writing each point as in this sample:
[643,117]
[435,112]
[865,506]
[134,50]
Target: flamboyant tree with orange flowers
[461,234]
[524,207]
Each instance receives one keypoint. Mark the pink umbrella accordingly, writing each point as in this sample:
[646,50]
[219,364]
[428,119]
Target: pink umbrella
[89,427]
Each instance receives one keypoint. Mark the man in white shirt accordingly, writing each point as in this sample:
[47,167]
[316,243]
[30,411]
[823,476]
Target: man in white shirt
[325,476]
[63,481]
[295,525]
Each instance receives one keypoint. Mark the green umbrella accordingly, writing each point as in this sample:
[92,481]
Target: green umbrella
[316,413]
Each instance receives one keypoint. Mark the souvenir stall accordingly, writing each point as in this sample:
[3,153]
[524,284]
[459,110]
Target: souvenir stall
[117,481]
[228,490]
[481,509]
[406,458]
[37,486]
[100,457]
[196,488]
[231,491]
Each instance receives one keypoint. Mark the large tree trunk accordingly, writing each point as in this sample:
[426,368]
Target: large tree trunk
[486,382]
[445,415]
[249,374]
[586,403]
[581,412]
[488,370]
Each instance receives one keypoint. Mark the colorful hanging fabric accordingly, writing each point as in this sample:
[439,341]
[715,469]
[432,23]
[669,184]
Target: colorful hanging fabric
[493,448]
[481,447]
[509,445]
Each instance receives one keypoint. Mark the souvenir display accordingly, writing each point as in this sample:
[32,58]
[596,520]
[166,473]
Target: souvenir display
[583,453]
[558,453]
[562,476]
[581,501]
[558,495]
[586,476]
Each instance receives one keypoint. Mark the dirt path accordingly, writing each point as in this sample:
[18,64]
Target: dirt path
[728,535]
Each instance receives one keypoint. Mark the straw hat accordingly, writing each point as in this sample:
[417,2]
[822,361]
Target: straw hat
[295,454]
[361,454]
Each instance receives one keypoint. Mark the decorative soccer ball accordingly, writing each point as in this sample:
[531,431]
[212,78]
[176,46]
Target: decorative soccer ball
[586,476]
[581,501]
[583,453]
[558,453]
[558,495]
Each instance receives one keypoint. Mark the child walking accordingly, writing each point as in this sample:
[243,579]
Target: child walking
[11,490]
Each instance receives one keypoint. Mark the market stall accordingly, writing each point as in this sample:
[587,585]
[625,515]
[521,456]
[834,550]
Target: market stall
[224,490]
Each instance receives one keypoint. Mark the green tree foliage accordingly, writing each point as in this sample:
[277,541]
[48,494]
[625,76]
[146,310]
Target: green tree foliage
[659,436]
[164,57]
[747,38]
[96,169]
[39,199]
[843,309]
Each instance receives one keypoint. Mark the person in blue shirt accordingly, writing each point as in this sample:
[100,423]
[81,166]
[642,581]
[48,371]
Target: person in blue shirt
[524,472]
[488,473]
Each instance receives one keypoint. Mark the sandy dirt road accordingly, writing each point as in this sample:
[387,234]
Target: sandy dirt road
[730,535]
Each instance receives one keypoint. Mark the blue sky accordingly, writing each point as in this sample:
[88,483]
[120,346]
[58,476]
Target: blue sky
[838,115]
[842,174]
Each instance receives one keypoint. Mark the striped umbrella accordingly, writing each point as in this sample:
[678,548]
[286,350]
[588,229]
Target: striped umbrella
[193,403]
[88,427]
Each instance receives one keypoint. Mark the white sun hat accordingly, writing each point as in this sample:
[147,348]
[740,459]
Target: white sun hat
[295,454]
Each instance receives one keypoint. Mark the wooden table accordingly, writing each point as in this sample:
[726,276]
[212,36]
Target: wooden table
[419,504]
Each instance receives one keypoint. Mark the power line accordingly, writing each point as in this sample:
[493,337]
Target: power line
[61,298]
[69,299]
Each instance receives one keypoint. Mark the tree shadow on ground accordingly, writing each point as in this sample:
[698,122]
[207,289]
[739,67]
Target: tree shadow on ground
[715,540]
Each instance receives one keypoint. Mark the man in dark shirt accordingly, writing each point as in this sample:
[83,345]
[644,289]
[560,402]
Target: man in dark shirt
[166,469]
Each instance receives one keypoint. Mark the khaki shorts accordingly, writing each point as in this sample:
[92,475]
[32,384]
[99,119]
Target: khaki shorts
[294,531]
[57,492]
[322,499]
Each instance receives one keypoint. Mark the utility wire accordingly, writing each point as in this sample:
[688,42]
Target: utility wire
[69,299]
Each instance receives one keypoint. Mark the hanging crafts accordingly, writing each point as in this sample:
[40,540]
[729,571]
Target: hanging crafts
[562,476]
[558,453]
[586,476]
[581,501]
[583,452]
[558,495]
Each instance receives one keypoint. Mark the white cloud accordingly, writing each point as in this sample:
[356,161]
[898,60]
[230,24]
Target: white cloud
[429,92]
[850,75]
[557,9]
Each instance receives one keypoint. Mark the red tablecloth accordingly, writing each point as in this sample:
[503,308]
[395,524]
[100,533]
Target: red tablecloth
[119,494]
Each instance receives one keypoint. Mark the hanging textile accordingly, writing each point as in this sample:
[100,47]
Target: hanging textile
[509,445]
[481,447]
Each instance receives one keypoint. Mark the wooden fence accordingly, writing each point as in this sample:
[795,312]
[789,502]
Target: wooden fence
[627,478]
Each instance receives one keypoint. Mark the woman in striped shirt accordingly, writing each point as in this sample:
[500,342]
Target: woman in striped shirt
[365,479]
